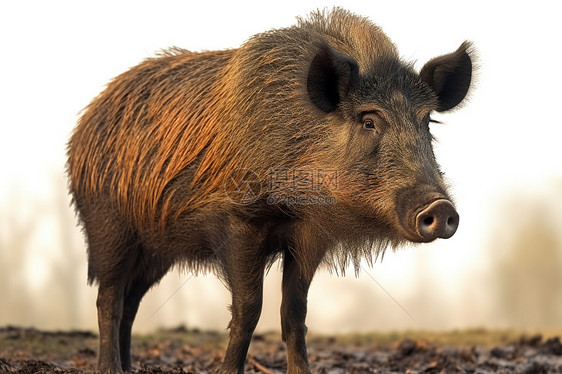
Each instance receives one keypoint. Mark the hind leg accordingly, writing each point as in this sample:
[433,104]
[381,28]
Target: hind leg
[113,251]
[133,297]
[110,310]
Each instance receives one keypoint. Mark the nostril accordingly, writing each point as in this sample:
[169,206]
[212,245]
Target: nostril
[428,221]
[451,221]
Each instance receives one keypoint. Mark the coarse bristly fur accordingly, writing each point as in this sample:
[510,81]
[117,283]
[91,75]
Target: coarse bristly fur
[323,114]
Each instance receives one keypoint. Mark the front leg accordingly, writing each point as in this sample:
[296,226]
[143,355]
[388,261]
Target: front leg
[297,275]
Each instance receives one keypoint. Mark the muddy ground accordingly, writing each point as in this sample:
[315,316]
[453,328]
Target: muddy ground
[182,350]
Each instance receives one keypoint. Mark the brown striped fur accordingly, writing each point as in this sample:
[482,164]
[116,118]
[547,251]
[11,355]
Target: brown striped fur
[172,110]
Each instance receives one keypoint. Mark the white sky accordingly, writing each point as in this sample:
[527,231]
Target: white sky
[56,56]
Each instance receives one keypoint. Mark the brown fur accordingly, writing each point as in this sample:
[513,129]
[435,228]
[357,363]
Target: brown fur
[157,109]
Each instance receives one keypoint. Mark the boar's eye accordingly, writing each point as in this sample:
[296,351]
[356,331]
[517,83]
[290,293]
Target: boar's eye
[368,124]
[370,121]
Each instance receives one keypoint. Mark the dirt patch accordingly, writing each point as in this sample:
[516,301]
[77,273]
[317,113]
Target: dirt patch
[182,350]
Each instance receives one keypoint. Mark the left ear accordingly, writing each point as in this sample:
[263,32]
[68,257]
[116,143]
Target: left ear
[449,76]
[331,75]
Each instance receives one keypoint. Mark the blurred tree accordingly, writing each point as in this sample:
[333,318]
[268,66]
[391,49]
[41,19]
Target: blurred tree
[37,231]
[528,271]
[17,226]
[67,274]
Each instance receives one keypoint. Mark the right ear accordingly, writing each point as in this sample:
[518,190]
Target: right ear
[449,76]
[330,77]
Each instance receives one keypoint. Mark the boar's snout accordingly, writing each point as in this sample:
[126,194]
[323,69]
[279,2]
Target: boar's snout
[437,220]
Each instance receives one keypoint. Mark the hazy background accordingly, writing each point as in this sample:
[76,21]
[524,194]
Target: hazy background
[501,152]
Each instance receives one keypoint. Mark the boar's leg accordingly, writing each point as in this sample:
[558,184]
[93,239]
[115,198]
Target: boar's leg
[297,276]
[110,310]
[244,272]
[112,254]
[145,279]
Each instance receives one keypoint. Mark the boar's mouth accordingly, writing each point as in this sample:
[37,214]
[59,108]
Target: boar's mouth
[436,218]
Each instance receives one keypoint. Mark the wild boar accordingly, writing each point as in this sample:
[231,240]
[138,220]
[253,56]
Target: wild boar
[309,144]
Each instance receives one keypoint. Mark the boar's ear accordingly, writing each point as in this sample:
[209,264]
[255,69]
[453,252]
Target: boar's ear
[330,77]
[449,76]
